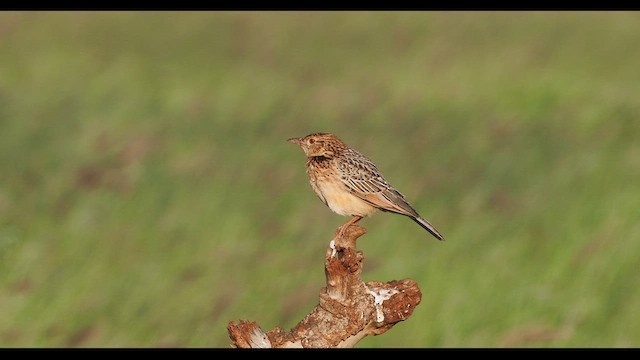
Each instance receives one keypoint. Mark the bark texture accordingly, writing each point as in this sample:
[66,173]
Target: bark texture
[348,310]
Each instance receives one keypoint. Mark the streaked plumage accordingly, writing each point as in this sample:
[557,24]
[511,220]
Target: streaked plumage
[350,184]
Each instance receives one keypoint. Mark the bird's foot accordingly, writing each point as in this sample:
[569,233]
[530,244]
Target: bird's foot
[343,229]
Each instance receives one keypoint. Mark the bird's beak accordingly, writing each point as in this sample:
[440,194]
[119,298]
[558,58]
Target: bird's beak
[295,140]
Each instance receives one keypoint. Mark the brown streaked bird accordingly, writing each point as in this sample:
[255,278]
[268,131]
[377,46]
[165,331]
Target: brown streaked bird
[350,184]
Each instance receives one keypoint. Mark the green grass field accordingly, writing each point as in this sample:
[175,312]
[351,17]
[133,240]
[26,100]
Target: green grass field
[148,195]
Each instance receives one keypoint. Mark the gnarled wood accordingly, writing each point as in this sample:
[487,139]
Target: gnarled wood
[348,310]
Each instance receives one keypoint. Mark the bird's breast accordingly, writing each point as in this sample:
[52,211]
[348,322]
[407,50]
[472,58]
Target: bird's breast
[327,185]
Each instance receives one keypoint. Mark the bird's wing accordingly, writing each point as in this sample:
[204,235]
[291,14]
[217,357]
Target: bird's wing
[364,180]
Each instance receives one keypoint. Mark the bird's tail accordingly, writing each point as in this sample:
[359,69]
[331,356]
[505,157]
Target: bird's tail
[427,226]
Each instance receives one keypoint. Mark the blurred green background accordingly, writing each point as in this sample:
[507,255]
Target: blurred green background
[148,195]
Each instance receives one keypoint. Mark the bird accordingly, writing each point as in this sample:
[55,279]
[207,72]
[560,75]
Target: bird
[350,184]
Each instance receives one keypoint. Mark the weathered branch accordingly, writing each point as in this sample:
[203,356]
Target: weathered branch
[348,310]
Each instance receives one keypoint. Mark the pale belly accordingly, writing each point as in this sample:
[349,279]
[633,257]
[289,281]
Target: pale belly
[342,202]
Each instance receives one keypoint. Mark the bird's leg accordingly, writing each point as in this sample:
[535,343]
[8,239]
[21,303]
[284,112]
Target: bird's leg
[344,227]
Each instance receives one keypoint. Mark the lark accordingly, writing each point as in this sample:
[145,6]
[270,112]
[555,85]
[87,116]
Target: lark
[350,184]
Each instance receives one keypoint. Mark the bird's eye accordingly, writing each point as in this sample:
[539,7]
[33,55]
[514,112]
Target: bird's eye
[311,141]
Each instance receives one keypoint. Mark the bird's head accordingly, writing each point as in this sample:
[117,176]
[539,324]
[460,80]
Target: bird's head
[319,144]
